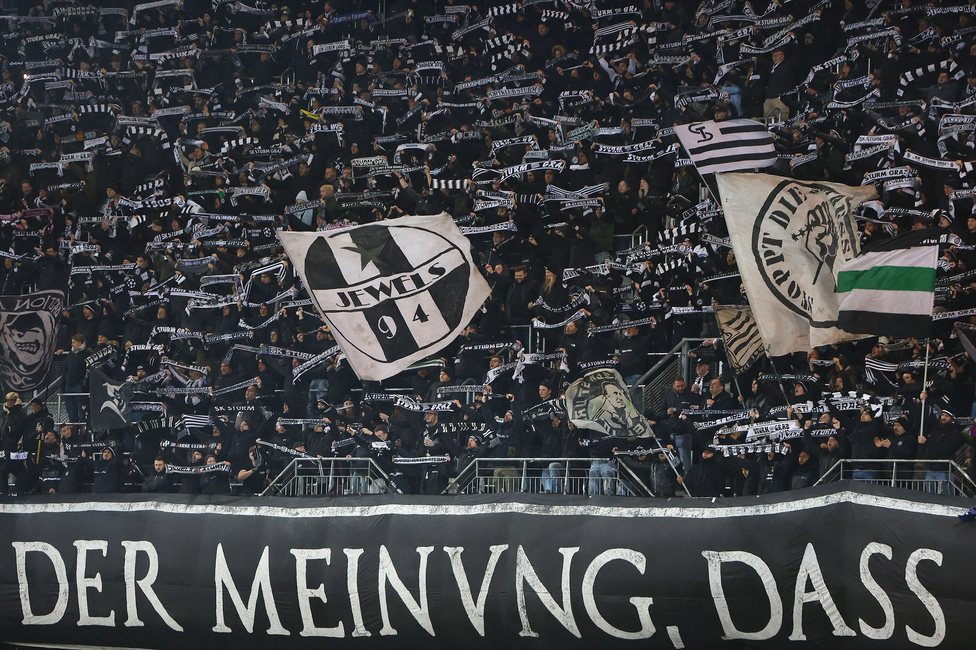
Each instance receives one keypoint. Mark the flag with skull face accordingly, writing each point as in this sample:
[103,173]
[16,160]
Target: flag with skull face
[28,334]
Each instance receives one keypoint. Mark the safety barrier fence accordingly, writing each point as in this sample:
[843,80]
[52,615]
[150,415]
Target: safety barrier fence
[936,476]
[331,477]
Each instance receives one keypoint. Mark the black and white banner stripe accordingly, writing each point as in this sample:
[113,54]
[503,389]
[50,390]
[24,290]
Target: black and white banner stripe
[732,145]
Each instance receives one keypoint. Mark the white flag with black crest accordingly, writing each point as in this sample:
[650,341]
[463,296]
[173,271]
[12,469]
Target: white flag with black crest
[791,239]
[392,292]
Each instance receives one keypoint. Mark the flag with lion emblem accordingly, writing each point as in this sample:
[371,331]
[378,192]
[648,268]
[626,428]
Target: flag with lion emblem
[392,292]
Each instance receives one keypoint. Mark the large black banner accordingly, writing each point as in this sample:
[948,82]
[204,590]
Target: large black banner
[843,566]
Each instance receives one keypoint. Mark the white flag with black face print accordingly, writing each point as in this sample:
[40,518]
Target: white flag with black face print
[600,401]
[392,292]
[28,334]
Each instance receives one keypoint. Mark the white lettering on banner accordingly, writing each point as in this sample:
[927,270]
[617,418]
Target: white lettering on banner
[474,609]
[84,583]
[415,597]
[260,586]
[810,570]
[389,574]
[352,585]
[643,604]
[885,631]
[146,583]
[715,560]
[525,573]
[21,550]
[302,556]
[924,595]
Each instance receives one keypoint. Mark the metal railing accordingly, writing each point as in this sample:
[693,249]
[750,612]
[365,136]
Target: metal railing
[59,411]
[331,477]
[935,476]
[641,235]
[654,383]
[50,393]
[579,476]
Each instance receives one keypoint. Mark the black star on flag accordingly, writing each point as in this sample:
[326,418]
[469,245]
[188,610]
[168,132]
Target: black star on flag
[392,292]
[368,255]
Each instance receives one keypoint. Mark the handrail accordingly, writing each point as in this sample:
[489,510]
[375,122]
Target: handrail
[896,472]
[639,236]
[294,481]
[633,485]
[633,479]
[679,351]
[675,350]
[528,475]
[829,475]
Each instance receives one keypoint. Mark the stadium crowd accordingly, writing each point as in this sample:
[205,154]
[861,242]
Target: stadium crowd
[150,152]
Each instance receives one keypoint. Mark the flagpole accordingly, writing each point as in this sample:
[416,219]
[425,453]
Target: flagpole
[779,377]
[713,195]
[667,455]
[925,378]
[674,468]
[735,380]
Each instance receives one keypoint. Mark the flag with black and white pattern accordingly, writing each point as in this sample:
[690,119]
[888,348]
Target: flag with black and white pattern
[392,292]
[110,399]
[740,332]
[727,146]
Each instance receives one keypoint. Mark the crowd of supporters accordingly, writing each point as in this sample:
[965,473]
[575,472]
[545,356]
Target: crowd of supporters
[150,152]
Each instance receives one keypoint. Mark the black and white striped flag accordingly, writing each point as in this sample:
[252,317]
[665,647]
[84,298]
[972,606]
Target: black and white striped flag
[392,292]
[727,146]
[740,332]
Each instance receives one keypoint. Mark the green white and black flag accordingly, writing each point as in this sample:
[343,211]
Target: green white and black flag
[889,290]
[393,292]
